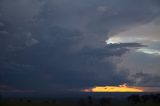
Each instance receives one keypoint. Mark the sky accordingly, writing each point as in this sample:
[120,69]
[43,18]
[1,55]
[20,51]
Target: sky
[54,46]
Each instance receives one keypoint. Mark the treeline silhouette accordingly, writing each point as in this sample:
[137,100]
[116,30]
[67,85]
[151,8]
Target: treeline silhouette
[108,101]
[44,101]
[134,99]
[103,101]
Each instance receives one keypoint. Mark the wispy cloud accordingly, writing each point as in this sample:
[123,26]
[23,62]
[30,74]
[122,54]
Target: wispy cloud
[7,88]
[149,51]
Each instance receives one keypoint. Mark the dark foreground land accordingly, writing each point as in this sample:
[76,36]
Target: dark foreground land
[131,100]
[75,104]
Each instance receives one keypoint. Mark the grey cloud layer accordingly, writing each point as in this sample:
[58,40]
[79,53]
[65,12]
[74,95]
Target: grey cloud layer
[62,43]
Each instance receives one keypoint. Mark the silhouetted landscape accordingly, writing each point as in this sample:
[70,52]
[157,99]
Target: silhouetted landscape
[150,99]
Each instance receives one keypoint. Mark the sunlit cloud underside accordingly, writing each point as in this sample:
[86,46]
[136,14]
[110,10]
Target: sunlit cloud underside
[120,88]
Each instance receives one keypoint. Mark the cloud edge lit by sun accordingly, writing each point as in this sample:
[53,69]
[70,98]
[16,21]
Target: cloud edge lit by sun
[120,88]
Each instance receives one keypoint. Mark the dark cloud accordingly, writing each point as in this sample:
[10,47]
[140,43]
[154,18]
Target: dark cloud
[124,45]
[147,79]
[60,44]
[65,67]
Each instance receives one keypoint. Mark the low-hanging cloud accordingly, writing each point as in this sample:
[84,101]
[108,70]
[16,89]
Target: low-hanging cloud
[63,42]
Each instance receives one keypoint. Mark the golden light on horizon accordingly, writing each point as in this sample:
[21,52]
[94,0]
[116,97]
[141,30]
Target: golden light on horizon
[120,88]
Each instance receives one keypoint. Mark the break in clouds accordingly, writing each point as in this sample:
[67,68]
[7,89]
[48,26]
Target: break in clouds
[59,45]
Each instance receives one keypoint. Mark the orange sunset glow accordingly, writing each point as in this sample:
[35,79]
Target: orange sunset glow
[120,88]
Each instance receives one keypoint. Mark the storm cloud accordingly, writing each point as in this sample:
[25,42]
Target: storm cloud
[60,45]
